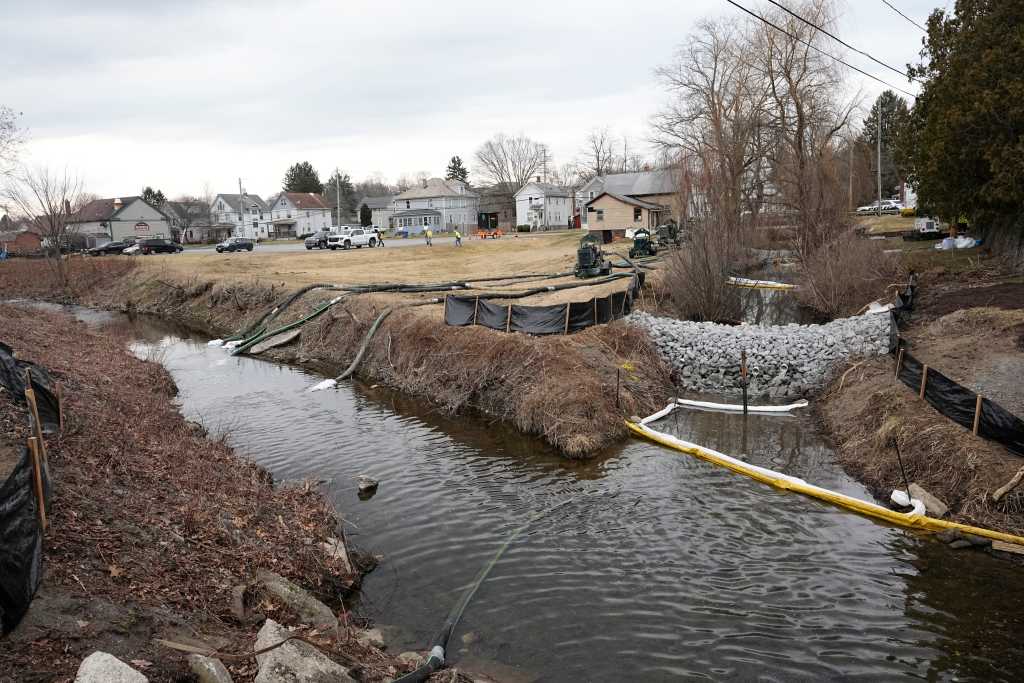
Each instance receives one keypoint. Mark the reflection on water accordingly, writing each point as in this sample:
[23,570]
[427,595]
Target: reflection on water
[661,566]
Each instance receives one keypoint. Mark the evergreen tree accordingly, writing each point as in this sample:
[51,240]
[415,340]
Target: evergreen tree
[349,197]
[456,170]
[895,120]
[153,197]
[302,177]
[365,216]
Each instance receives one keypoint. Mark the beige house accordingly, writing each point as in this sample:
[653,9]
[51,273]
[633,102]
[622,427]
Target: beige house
[614,214]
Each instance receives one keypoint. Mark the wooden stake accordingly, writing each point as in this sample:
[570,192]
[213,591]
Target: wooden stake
[33,407]
[33,449]
[595,310]
[924,379]
[977,414]
[508,321]
[567,309]
[476,308]
[60,405]
[899,363]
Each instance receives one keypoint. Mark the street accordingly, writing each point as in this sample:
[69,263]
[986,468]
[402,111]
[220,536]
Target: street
[281,247]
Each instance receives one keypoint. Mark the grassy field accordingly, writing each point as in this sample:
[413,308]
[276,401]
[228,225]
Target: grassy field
[442,262]
[885,225]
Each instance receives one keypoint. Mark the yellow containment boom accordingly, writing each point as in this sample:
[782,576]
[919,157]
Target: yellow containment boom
[758,284]
[913,520]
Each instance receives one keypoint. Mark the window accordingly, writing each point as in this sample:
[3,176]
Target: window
[430,203]
[407,205]
[600,215]
[308,213]
[255,225]
[638,214]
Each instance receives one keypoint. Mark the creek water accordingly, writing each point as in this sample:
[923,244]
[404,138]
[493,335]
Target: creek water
[659,567]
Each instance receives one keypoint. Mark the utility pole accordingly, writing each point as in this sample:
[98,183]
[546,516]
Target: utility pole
[337,193]
[241,211]
[879,105]
[849,172]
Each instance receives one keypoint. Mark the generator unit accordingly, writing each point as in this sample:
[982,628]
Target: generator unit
[590,260]
[643,244]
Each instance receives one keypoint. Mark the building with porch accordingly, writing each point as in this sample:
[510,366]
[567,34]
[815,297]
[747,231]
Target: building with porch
[453,201]
[543,206]
[245,215]
[299,213]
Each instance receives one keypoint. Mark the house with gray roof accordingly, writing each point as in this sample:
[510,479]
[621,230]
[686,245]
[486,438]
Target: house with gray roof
[118,218]
[247,215]
[454,203]
[381,209]
[543,206]
[652,187]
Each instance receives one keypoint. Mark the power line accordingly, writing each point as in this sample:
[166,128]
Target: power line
[841,41]
[906,17]
[817,49]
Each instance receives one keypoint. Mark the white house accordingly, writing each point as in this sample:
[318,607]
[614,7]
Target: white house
[299,213]
[381,209]
[115,219]
[543,205]
[439,204]
[249,217]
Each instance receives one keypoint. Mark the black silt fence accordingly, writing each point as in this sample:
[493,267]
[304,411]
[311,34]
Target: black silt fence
[961,405]
[21,531]
[463,311]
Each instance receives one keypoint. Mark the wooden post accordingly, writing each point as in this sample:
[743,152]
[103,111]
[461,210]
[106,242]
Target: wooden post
[508,321]
[33,408]
[743,377]
[924,379]
[567,309]
[977,414]
[33,449]
[625,296]
[899,362]
[595,310]
[60,406]
[476,308]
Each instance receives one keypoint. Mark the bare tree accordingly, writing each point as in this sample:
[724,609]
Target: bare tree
[46,199]
[509,161]
[597,157]
[807,117]
[403,183]
[11,137]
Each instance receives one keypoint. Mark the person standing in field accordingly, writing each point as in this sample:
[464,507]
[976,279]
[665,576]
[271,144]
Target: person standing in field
[458,238]
[380,237]
[429,234]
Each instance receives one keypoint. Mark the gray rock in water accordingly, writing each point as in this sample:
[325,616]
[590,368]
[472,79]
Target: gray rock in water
[101,667]
[295,661]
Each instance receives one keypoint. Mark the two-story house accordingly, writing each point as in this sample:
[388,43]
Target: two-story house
[441,205]
[299,213]
[381,209]
[543,206]
[247,215]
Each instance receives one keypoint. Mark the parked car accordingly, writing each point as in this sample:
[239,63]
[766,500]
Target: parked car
[318,240]
[347,238]
[110,248]
[157,245]
[888,206]
[235,244]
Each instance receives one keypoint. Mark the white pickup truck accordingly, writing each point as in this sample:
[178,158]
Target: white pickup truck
[348,237]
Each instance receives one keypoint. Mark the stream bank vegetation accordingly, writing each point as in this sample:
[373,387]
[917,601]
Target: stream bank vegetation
[154,527]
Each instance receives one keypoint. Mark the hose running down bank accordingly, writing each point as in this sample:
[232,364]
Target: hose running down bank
[914,520]
[436,659]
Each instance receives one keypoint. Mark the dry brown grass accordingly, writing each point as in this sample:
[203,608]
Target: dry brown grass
[442,262]
[840,278]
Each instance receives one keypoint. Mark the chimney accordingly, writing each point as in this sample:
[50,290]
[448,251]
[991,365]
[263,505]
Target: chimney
[118,204]
[424,183]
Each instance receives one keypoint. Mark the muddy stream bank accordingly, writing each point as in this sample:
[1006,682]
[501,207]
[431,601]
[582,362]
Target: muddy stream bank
[661,566]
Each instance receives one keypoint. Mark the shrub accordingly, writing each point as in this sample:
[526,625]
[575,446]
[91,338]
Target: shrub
[844,275]
[908,212]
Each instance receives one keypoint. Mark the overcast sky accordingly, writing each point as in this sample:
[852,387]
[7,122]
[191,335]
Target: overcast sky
[179,94]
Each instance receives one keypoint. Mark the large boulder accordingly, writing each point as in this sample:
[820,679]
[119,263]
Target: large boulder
[309,609]
[295,661]
[101,667]
[208,670]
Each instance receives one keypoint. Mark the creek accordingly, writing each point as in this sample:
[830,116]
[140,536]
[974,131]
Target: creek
[661,566]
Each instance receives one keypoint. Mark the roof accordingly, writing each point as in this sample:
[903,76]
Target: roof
[628,200]
[100,209]
[417,212]
[232,200]
[549,189]
[12,236]
[305,200]
[634,184]
[436,187]
[378,202]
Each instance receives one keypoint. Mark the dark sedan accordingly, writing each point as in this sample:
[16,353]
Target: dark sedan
[158,246]
[110,248]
